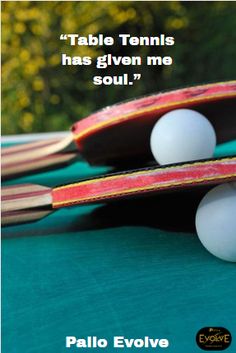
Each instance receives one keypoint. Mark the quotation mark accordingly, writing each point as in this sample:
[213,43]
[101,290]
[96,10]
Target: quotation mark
[63,37]
[137,76]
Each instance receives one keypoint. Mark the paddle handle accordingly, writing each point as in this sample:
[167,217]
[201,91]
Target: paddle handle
[25,158]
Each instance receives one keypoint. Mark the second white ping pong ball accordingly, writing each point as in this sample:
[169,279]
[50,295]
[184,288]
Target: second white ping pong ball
[182,135]
[216,221]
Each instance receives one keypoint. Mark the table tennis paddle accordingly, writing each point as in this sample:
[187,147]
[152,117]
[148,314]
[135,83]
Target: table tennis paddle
[21,203]
[120,134]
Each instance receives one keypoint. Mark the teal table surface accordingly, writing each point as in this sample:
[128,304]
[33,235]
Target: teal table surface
[107,271]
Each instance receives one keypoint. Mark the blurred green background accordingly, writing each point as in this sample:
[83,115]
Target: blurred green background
[38,94]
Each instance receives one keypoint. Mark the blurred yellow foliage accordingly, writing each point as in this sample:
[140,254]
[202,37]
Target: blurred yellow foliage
[176,23]
[31,51]
[54,99]
[19,27]
[26,121]
[39,94]
[38,84]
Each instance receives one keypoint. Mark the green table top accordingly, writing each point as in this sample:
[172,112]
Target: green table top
[89,271]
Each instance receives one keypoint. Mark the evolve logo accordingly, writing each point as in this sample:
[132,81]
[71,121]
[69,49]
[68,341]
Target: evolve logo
[213,338]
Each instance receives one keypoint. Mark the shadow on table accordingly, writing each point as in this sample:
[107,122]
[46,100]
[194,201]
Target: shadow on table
[174,211]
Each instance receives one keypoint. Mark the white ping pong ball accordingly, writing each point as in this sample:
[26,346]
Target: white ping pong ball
[216,221]
[182,135]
